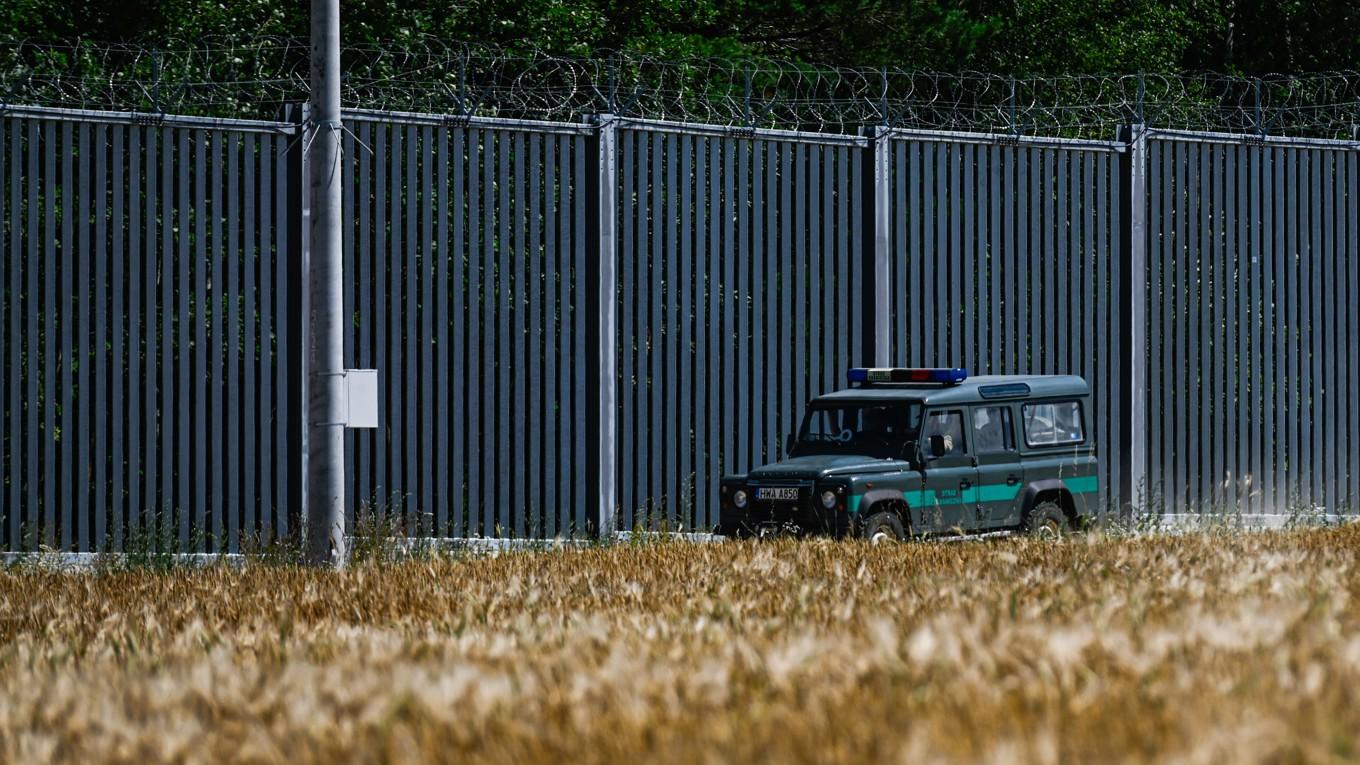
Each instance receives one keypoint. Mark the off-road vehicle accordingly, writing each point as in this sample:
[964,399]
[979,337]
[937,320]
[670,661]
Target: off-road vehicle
[919,452]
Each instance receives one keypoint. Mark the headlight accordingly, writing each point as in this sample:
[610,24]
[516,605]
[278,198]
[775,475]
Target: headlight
[739,498]
[828,499]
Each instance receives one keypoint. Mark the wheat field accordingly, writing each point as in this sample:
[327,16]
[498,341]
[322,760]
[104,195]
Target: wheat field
[1195,648]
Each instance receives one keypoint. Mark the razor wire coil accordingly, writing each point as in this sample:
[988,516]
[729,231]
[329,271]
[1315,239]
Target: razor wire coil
[255,79]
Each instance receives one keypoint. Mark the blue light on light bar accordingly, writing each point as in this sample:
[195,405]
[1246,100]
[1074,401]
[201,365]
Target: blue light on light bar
[943,375]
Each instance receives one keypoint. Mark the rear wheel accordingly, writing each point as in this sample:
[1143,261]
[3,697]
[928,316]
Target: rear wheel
[883,528]
[1046,521]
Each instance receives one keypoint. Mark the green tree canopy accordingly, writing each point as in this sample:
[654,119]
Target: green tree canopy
[1017,37]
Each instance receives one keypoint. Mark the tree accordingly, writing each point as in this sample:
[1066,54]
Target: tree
[1018,37]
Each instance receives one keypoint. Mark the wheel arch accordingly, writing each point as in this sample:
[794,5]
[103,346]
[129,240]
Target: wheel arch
[1048,490]
[886,500]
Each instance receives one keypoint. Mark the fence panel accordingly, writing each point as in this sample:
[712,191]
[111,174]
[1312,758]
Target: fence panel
[465,262]
[741,276]
[1252,345]
[143,282]
[1005,260]
[149,313]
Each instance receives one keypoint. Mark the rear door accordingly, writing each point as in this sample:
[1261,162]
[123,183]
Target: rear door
[998,461]
[947,495]
[1057,447]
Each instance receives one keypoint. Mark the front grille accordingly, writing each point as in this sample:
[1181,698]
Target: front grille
[802,516]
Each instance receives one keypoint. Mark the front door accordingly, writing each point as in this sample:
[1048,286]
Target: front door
[998,461]
[947,498]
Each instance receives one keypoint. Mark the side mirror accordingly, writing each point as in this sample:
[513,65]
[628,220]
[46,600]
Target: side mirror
[938,446]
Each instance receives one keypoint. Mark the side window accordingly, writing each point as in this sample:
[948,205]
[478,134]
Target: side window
[950,425]
[993,430]
[1053,424]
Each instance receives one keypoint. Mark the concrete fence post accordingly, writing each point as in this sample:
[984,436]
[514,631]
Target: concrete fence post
[878,186]
[297,316]
[601,277]
[1133,459]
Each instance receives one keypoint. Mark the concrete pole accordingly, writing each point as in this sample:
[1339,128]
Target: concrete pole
[603,193]
[880,144]
[1135,489]
[325,420]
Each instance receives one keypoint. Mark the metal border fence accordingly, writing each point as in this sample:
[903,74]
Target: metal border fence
[581,325]
[466,257]
[1006,260]
[148,357]
[1252,324]
[739,275]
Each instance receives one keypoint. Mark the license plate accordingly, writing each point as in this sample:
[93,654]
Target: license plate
[787,493]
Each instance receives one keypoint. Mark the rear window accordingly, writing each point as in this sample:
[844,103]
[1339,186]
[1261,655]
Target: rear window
[1052,424]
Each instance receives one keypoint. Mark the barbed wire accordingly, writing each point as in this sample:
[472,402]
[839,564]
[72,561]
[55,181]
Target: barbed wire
[257,78]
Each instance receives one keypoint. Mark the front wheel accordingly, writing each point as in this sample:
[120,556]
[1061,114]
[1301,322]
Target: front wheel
[883,528]
[1046,521]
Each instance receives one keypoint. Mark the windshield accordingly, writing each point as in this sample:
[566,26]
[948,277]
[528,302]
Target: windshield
[858,427]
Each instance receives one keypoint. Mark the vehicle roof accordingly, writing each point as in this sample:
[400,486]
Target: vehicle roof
[966,392]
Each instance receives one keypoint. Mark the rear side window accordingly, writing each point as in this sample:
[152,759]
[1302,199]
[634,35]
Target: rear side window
[1051,424]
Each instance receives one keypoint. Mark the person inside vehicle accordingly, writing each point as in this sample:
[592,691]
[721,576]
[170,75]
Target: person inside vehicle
[877,426]
[949,425]
[987,433]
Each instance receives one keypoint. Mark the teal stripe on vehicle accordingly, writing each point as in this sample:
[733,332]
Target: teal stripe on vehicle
[993,492]
[919,498]
[1087,484]
[997,492]
[928,498]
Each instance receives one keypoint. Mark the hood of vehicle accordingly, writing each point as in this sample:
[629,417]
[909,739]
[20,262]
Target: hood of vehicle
[817,466]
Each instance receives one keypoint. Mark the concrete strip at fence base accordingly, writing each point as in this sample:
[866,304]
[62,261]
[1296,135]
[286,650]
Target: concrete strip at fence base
[1176,523]
[1252,521]
[55,560]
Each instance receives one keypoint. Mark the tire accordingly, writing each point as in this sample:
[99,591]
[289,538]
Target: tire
[883,528]
[1046,521]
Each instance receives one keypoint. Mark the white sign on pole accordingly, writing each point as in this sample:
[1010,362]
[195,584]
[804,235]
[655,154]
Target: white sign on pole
[361,398]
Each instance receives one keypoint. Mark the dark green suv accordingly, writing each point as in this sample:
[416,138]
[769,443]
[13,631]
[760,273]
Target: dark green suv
[916,452]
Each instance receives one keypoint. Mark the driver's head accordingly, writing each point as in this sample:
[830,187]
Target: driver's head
[876,420]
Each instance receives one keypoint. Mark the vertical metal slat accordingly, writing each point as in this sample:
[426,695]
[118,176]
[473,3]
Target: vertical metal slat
[250,493]
[430,465]
[409,329]
[102,409]
[51,349]
[684,288]
[63,345]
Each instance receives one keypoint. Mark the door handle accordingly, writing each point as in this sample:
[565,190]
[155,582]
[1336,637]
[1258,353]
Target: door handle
[1012,480]
[964,485]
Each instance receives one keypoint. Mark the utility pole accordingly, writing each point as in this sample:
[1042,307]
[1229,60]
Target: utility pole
[325,368]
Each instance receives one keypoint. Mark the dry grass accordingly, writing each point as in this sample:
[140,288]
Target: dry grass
[1202,648]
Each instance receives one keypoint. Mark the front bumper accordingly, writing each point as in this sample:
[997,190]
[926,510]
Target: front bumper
[801,518]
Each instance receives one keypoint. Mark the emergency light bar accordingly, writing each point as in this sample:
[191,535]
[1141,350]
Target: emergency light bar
[941,375]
